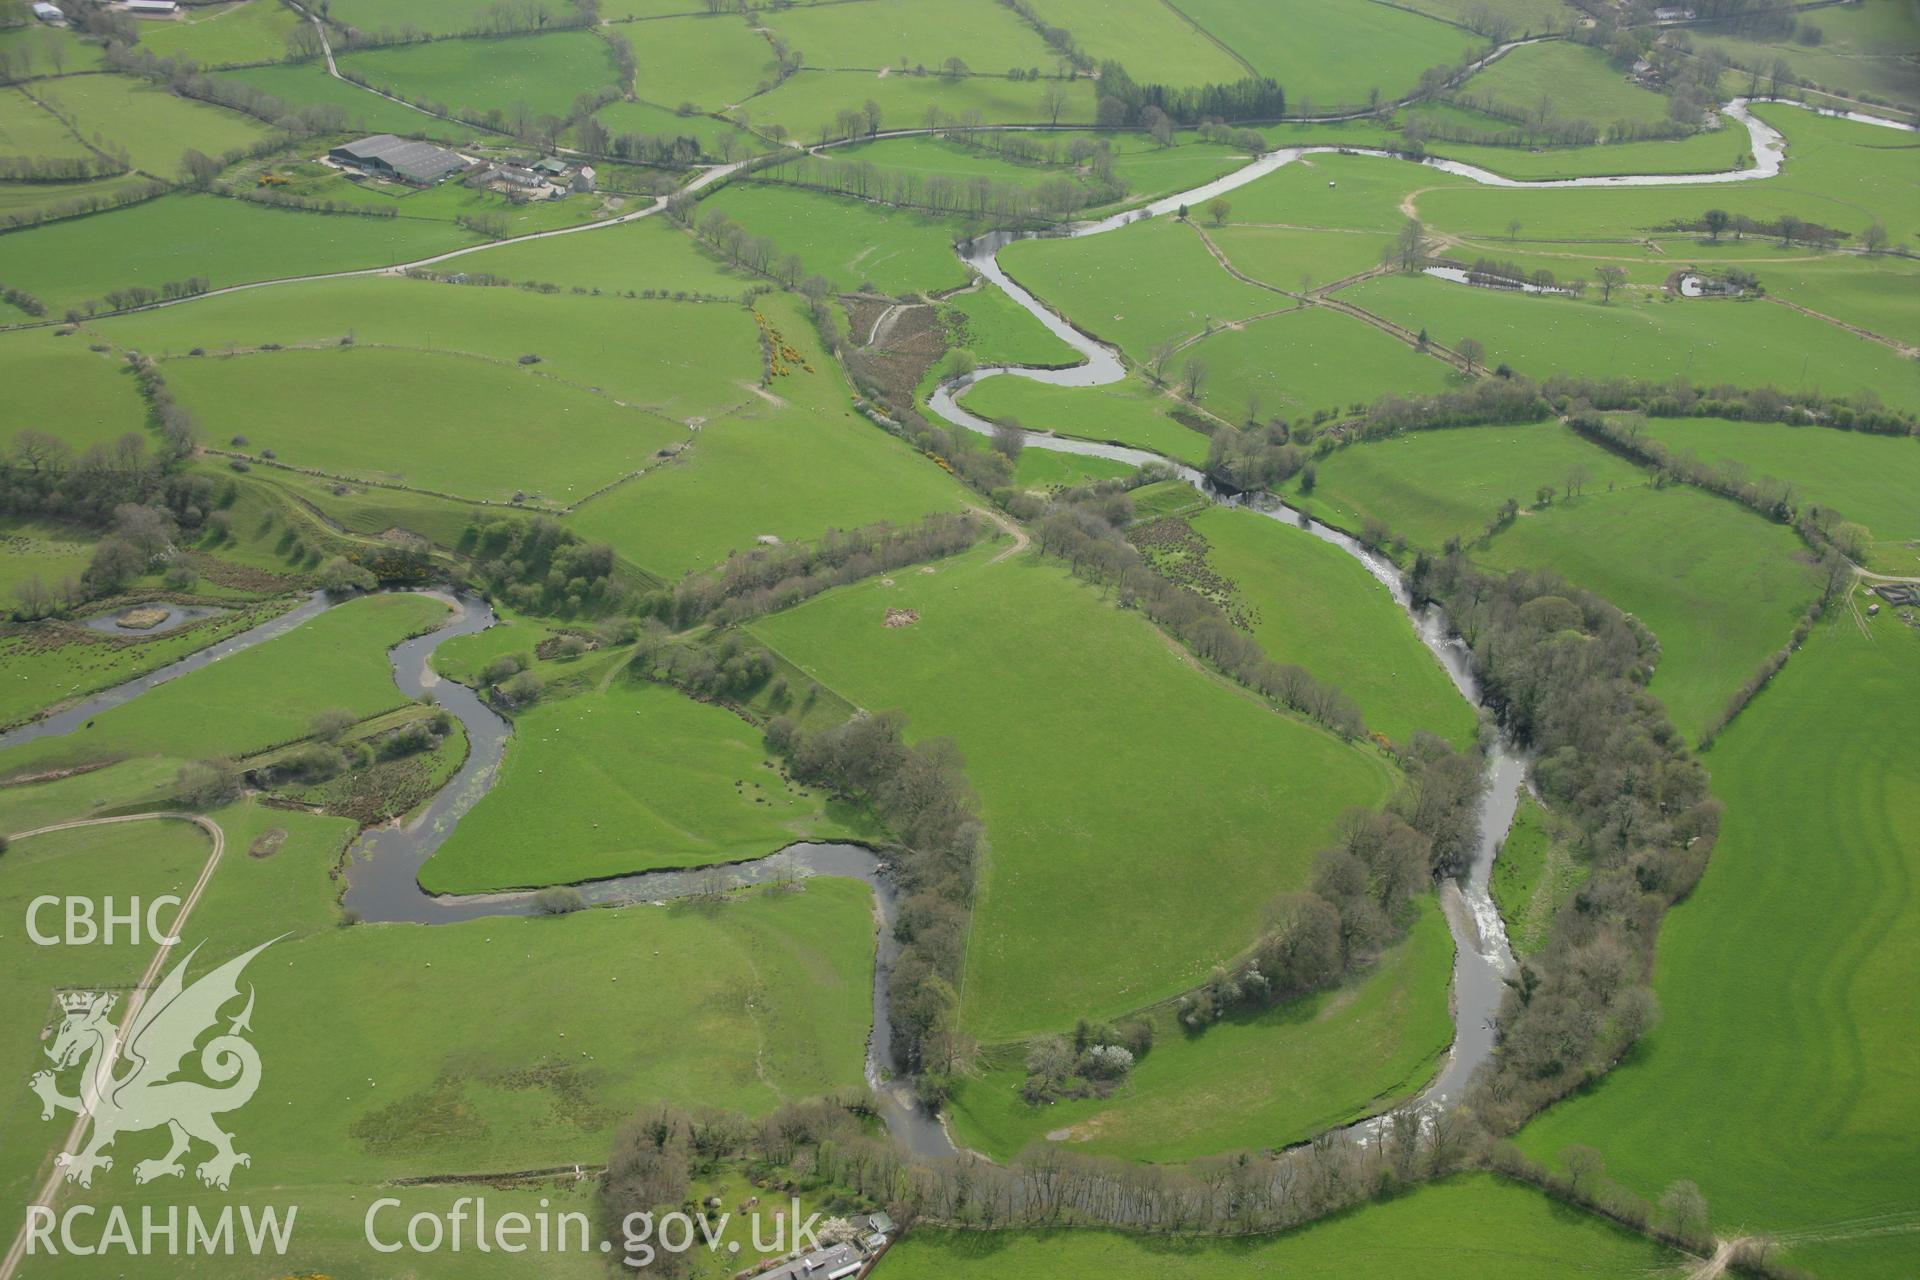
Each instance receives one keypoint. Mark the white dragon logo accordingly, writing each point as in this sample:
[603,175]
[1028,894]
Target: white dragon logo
[156,1046]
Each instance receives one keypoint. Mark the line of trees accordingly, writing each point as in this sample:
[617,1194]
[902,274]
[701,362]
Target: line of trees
[1123,102]
[59,168]
[921,793]
[1608,760]
[977,197]
[1679,398]
[21,299]
[540,566]
[770,578]
[1790,229]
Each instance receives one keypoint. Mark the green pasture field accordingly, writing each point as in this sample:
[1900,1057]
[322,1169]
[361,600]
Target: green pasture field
[647,118]
[44,666]
[1152,172]
[227,241]
[808,101]
[680,360]
[1288,259]
[712,62]
[1533,877]
[1330,54]
[793,466]
[1875,293]
[1166,498]
[631,779]
[1581,82]
[1720,587]
[649,254]
[1129,412]
[440,17]
[1289,365]
[1864,48]
[447,423]
[146,859]
[154,126]
[58,386]
[1531,17]
[1144,284]
[260,697]
[909,33]
[220,35]
[1470,1227]
[29,129]
[1101,758]
[364,512]
[1750,344]
[1256,1081]
[146,782]
[302,84]
[764,998]
[1316,606]
[850,242]
[18,196]
[541,74]
[33,47]
[1790,1062]
[1708,151]
[1042,469]
[1156,42]
[1868,479]
[44,549]
[1433,485]
[786,471]
[1000,331]
[1346,192]
[1838,173]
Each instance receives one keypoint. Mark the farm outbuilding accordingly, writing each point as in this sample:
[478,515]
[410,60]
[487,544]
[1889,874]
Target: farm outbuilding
[385,156]
[47,12]
[153,8]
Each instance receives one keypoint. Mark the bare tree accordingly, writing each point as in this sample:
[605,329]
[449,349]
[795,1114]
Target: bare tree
[1610,276]
[1053,101]
[1471,351]
[1193,376]
[1217,210]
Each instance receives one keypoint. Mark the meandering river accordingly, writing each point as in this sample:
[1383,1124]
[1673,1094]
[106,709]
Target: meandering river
[383,884]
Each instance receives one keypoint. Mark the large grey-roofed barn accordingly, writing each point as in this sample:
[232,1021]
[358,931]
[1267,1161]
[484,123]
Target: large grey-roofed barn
[405,158]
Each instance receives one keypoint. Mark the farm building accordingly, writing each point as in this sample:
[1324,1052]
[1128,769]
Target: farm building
[385,156]
[48,13]
[152,8]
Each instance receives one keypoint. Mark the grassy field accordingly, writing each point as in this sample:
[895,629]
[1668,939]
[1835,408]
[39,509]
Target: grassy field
[807,102]
[1156,42]
[1433,485]
[632,779]
[1361,193]
[710,62]
[1289,259]
[676,359]
[29,129]
[441,17]
[1472,1227]
[1533,877]
[651,254]
[1252,1082]
[1101,757]
[1862,49]
[153,126]
[222,34]
[852,243]
[1130,412]
[260,697]
[304,84]
[764,998]
[59,386]
[1720,587]
[1289,365]
[1746,343]
[648,118]
[1000,331]
[1330,54]
[1581,83]
[225,241]
[47,550]
[537,74]
[1838,173]
[466,421]
[792,469]
[1871,292]
[1781,1077]
[1867,479]
[1145,284]
[1314,605]
[911,33]
[33,47]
